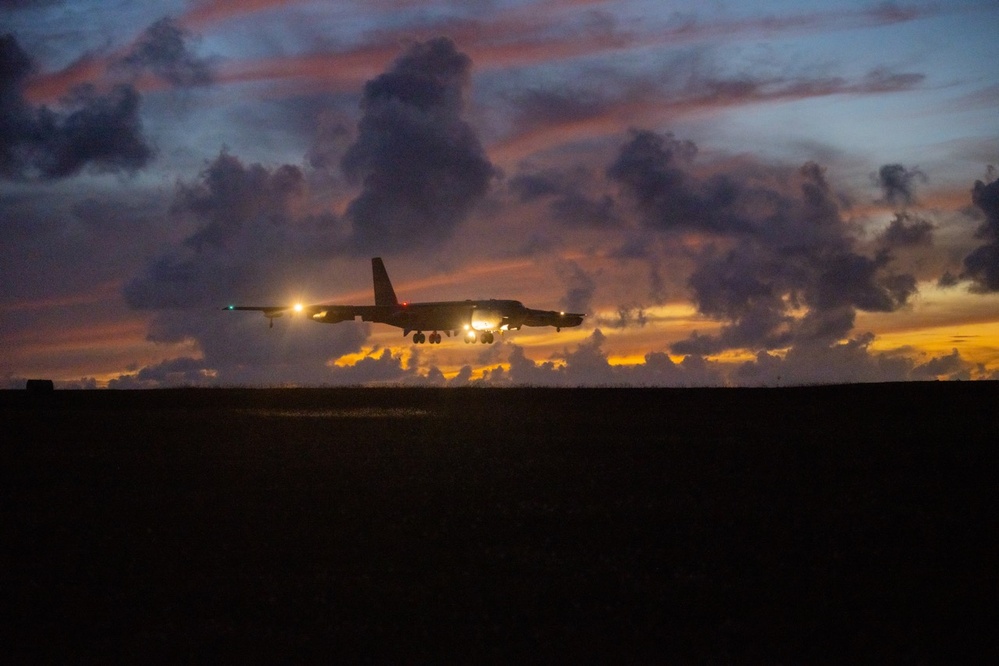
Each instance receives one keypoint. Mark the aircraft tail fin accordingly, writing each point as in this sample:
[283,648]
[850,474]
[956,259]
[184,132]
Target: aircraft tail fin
[384,293]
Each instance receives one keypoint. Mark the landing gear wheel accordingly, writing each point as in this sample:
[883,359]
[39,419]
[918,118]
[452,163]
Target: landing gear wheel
[419,338]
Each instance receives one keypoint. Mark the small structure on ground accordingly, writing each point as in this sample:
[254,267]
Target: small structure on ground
[40,386]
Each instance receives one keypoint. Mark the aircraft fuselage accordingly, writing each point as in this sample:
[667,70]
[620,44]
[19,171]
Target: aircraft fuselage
[473,319]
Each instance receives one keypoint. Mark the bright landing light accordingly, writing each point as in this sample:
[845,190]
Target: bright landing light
[298,307]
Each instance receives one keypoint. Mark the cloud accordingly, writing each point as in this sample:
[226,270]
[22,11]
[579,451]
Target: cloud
[651,169]
[250,235]
[602,101]
[229,195]
[568,191]
[99,131]
[844,362]
[982,265]
[240,349]
[580,287]
[588,365]
[420,165]
[778,266]
[163,50]
[251,238]
[907,230]
[384,368]
[181,371]
[24,4]
[627,316]
[897,183]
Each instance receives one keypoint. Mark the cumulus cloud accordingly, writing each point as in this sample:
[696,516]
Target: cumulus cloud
[229,195]
[181,371]
[907,230]
[24,4]
[627,316]
[588,365]
[420,165]
[163,50]
[651,169]
[544,107]
[567,192]
[898,183]
[780,266]
[421,168]
[239,349]
[249,234]
[580,287]
[844,362]
[101,131]
[982,265]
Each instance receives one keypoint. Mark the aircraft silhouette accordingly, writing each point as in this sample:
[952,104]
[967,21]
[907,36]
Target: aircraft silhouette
[475,320]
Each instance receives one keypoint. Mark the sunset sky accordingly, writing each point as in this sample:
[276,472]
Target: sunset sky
[736,193]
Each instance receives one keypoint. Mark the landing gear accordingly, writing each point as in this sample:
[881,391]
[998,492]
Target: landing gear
[435,338]
[420,337]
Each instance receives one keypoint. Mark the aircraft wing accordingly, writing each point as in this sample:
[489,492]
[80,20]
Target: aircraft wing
[329,314]
[271,311]
[553,318]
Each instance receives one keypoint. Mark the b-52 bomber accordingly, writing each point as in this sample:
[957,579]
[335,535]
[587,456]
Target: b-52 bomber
[475,321]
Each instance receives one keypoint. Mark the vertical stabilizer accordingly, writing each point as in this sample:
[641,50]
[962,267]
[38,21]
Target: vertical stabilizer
[384,293]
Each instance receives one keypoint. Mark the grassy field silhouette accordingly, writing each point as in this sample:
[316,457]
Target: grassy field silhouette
[805,525]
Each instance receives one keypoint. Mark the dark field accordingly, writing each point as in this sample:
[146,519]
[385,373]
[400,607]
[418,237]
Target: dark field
[801,525]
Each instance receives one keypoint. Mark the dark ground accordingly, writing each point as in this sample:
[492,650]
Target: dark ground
[797,525]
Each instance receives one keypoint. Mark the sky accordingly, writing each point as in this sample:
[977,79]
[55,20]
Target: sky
[735,193]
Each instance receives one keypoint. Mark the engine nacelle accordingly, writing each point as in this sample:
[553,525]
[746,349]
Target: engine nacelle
[485,319]
[327,317]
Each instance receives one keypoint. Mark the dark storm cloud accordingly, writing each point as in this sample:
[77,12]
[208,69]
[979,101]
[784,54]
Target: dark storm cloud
[248,236]
[580,287]
[948,280]
[101,131]
[567,191]
[383,368]
[162,49]
[589,365]
[238,348]
[844,362]
[651,168]
[982,265]
[421,166]
[229,195]
[538,108]
[907,230]
[24,4]
[898,183]
[249,243]
[627,316]
[777,247]
[330,137]
[181,371]
[853,280]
